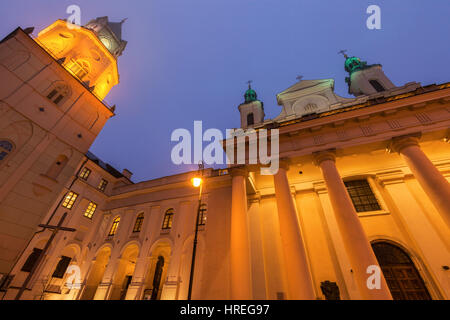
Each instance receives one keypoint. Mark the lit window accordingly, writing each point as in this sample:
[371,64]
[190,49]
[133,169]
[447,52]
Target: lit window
[69,200]
[202,215]
[138,223]
[6,148]
[90,210]
[84,174]
[80,68]
[362,196]
[168,218]
[102,185]
[114,226]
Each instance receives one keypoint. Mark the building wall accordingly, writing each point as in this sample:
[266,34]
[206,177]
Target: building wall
[43,133]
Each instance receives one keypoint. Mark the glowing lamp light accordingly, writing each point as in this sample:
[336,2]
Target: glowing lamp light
[196,182]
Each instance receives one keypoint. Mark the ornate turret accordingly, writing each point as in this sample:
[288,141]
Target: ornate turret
[252,110]
[365,79]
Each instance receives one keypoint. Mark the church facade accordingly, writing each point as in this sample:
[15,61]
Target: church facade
[359,208]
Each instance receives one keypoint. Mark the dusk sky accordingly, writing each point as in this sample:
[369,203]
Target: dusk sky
[190,60]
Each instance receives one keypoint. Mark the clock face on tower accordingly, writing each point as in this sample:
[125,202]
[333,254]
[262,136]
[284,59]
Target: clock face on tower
[106,42]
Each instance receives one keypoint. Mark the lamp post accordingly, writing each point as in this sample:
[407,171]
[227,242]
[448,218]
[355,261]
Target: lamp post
[197,182]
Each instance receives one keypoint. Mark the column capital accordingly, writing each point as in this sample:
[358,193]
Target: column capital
[239,172]
[321,156]
[285,163]
[399,143]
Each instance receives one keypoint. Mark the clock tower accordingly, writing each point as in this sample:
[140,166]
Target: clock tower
[52,90]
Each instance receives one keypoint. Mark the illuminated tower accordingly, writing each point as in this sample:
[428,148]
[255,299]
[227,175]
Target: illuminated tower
[51,110]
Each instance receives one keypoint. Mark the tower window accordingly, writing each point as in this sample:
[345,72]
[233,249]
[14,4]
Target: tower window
[6,148]
[89,213]
[362,196]
[168,219]
[69,200]
[377,86]
[114,226]
[84,174]
[250,119]
[138,223]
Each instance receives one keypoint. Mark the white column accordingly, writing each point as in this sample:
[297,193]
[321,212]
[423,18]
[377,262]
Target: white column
[297,270]
[432,181]
[355,240]
[241,283]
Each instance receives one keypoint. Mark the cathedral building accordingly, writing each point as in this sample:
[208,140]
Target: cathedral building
[359,208]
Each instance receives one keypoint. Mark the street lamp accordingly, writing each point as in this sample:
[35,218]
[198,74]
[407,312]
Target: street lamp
[197,182]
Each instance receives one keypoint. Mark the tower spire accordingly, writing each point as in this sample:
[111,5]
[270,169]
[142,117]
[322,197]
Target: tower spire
[343,52]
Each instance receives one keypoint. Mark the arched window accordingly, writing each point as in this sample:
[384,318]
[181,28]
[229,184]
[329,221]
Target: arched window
[402,277]
[157,278]
[168,219]
[114,226]
[79,68]
[57,167]
[58,93]
[250,119]
[138,223]
[6,148]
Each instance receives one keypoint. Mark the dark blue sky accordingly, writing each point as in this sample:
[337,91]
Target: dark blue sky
[190,59]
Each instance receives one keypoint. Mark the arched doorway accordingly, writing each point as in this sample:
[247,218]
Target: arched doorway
[157,272]
[96,274]
[403,279]
[124,272]
[157,278]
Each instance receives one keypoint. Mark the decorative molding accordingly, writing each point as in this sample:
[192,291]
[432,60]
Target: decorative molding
[390,177]
[320,187]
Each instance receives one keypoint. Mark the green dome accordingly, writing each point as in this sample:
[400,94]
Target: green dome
[353,64]
[250,95]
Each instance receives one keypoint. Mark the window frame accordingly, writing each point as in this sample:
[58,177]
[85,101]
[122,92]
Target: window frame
[202,215]
[31,260]
[168,219]
[102,185]
[138,223]
[63,261]
[375,83]
[114,227]
[83,175]
[356,196]
[67,204]
[90,210]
